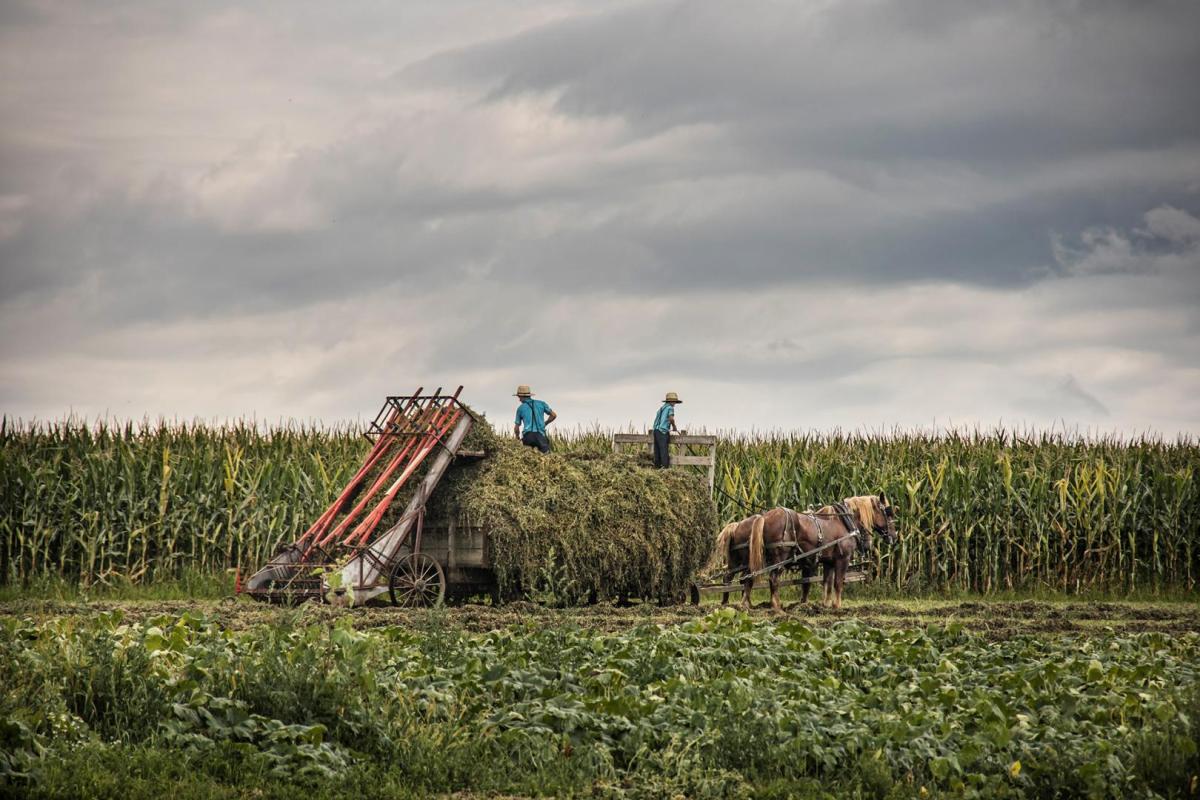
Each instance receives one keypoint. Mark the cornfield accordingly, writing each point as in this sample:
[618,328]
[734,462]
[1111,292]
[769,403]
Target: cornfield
[996,510]
[983,511]
[147,502]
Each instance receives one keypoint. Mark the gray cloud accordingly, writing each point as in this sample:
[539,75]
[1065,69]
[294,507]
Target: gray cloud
[1071,389]
[890,196]
[1169,242]
[935,79]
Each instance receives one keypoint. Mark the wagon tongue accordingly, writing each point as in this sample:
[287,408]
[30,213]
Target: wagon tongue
[405,432]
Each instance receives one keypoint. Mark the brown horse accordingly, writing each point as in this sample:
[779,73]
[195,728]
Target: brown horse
[760,541]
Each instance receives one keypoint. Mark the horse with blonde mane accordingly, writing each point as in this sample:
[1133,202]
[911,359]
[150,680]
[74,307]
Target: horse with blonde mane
[773,537]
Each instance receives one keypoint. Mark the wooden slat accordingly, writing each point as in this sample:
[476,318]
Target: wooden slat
[645,438]
[647,441]
[711,441]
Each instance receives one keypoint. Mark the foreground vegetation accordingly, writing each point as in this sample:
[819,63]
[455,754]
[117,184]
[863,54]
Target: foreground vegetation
[981,512]
[722,705]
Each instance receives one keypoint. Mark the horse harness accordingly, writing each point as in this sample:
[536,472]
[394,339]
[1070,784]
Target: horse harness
[840,510]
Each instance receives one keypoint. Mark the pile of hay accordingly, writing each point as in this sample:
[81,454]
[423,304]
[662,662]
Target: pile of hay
[582,526]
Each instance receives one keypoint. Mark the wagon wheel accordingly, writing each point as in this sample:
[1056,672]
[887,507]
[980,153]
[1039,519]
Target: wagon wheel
[417,581]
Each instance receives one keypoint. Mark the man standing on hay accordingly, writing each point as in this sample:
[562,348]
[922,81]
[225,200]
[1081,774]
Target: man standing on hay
[664,423]
[533,416]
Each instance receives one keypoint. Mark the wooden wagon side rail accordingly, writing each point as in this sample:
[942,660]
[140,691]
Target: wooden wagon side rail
[686,460]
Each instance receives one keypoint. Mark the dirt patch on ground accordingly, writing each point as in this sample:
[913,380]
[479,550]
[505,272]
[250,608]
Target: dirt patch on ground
[993,619]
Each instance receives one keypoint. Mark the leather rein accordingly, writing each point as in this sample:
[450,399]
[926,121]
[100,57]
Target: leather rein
[840,511]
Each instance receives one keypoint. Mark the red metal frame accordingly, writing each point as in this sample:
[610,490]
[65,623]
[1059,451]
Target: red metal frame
[408,437]
[382,445]
[405,431]
[442,424]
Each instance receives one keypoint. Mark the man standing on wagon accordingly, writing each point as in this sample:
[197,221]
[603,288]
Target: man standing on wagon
[533,416]
[664,423]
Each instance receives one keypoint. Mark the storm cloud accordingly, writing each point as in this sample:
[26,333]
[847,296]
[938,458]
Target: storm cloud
[798,215]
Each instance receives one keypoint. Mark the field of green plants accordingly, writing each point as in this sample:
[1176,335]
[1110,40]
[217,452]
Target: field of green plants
[724,705]
[194,698]
[981,512]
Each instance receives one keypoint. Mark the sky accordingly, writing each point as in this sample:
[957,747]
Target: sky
[799,216]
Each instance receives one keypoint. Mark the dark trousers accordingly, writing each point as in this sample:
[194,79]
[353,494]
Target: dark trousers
[534,439]
[662,449]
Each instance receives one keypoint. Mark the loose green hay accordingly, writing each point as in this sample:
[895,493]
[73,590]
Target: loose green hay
[580,526]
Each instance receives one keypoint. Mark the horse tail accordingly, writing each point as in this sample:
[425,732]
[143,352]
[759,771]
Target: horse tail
[720,554]
[757,550]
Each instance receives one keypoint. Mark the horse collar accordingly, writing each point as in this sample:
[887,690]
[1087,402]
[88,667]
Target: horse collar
[843,511]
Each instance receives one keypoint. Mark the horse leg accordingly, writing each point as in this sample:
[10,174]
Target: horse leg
[747,588]
[827,585]
[806,571]
[725,595]
[774,580]
[839,572]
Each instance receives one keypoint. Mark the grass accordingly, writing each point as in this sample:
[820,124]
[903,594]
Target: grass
[191,585]
[997,619]
[205,588]
[718,705]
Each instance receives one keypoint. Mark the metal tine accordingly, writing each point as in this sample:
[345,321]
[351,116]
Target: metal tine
[461,410]
[426,404]
[408,401]
[405,400]
[422,421]
[411,406]
[382,420]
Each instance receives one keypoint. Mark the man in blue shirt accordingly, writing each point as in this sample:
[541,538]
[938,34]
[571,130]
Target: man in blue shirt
[533,416]
[664,423]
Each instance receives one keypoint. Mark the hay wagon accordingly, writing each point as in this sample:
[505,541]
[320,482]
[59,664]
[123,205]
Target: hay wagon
[348,556]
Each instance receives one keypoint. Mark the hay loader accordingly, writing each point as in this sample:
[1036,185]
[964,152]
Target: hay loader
[345,558]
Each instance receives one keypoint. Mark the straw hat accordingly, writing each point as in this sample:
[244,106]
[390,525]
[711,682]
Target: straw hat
[523,391]
[672,398]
